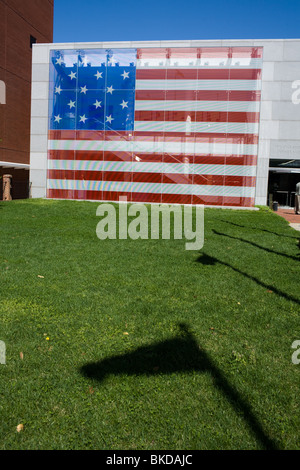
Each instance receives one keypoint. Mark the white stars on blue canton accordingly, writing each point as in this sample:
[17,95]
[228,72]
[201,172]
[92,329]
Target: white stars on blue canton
[57,118]
[99,75]
[72,75]
[124,104]
[93,89]
[72,104]
[98,104]
[109,119]
[110,90]
[83,119]
[125,75]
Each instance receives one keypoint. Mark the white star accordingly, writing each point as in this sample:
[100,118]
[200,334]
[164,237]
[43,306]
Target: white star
[125,75]
[110,90]
[109,119]
[58,90]
[72,75]
[57,118]
[84,61]
[98,104]
[111,61]
[72,104]
[98,74]
[59,61]
[124,104]
[83,119]
[83,89]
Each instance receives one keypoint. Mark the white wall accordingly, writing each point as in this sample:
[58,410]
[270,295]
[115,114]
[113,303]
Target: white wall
[280,118]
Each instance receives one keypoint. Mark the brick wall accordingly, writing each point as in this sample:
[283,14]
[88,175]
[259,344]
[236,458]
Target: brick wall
[19,21]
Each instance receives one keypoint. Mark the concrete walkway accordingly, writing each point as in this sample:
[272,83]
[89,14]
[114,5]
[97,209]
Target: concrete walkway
[292,218]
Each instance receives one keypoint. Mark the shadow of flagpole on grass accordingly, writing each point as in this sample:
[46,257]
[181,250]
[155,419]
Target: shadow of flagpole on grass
[210,260]
[255,245]
[178,355]
[296,237]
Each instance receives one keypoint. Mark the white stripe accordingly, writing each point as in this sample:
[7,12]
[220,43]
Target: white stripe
[179,105]
[204,62]
[207,127]
[152,188]
[183,147]
[245,85]
[153,167]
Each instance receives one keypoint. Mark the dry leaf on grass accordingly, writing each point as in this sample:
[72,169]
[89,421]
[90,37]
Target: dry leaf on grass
[20,427]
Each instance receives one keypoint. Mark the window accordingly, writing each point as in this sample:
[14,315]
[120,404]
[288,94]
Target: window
[32,41]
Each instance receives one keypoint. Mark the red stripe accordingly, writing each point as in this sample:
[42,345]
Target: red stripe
[61,155]
[223,201]
[159,137]
[168,178]
[228,180]
[150,198]
[82,155]
[196,116]
[198,74]
[131,197]
[200,95]
[185,136]
[149,157]
[61,135]
[199,137]
[153,157]
[88,135]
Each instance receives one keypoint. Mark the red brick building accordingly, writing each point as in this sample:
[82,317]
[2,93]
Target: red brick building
[22,23]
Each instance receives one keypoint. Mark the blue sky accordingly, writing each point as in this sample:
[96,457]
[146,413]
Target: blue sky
[132,20]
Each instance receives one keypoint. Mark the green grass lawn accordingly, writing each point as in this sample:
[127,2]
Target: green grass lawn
[144,345]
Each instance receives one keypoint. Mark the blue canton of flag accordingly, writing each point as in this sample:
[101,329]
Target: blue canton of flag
[92,89]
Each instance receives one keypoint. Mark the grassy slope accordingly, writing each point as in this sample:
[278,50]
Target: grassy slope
[239,298]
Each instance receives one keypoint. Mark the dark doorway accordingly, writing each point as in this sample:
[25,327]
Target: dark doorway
[283,177]
[19,183]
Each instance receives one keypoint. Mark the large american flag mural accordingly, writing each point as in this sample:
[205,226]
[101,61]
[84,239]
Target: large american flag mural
[157,125]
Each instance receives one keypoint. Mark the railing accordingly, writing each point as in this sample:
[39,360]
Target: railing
[284,198]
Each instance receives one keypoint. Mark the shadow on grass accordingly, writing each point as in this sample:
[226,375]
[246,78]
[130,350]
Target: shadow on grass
[258,228]
[256,245]
[211,261]
[177,355]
